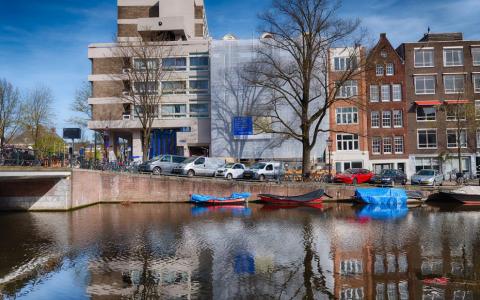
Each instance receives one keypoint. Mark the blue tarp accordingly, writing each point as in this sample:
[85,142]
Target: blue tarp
[204,198]
[239,211]
[384,196]
[382,211]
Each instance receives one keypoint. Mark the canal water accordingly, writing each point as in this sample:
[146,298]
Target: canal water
[177,251]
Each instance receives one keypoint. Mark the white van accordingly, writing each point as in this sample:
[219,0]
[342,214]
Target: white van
[265,170]
[199,165]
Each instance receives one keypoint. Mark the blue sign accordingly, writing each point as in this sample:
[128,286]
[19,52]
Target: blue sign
[242,126]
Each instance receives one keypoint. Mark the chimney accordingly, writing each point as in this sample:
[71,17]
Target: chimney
[383,35]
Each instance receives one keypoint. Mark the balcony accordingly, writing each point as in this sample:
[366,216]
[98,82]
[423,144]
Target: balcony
[171,24]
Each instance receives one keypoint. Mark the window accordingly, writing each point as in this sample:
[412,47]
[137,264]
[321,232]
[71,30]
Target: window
[476,56]
[174,64]
[144,64]
[456,111]
[387,145]
[174,111]
[423,58]
[344,63]
[385,93]
[376,145]
[383,54]
[347,115]
[398,144]
[452,138]
[375,119]
[424,85]
[374,93]
[386,119]
[478,138]
[199,63]
[453,84]
[390,69]
[426,113]
[426,163]
[379,70]
[199,110]
[143,88]
[151,110]
[198,87]
[427,138]
[174,87]
[397,118]
[453,57]
[347,142]
[348,89]
[396,92]
[476,83]
[477,109]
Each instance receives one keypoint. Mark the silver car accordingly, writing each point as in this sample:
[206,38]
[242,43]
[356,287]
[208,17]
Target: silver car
[162,164]
[427,177]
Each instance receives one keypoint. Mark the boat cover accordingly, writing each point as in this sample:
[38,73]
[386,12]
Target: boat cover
[383,211]
[205,198]
[390,196]
[301,198]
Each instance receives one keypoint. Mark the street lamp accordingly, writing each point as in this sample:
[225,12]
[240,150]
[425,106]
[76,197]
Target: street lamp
[329,144]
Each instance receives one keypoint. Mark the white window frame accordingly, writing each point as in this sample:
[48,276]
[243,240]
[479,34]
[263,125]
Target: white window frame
[455,131]
[348,89]
[390,69]
[376,144]
[397,142]
[384,94]
[425,120]
[396,92]
[386,115]
[423,51]
[175,68]
[174,115]
[478,138]
[377,119]
[374,91]
[476,83]
[454,116]
[397,115]
[149,92]
[351,142]
[425,77]
[476,54]
[427,145]
[387,141]
[455,77]
[344,62]
[198,115]
[175,91]
[445,50]
[477,109]
[348,115]
[379,70]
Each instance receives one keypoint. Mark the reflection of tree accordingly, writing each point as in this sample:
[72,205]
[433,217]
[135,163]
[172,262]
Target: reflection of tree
[147,286]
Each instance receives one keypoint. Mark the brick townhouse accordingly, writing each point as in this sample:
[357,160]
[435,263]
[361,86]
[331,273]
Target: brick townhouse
[183,122]
[441,71]
[348,120]
[386,109]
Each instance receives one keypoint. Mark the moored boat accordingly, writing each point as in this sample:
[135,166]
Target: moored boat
[381,196]
[468,195]
[235,198]
[309,198]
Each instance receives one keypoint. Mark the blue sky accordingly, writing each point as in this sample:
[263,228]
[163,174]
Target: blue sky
[45,42]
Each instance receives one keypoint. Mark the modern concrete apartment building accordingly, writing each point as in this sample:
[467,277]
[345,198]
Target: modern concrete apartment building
[183,122]
[237,106]
[386,110]
[348,120]
[442,72]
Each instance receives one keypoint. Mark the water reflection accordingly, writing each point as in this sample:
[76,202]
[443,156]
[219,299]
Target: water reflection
[382,211]
[178,251]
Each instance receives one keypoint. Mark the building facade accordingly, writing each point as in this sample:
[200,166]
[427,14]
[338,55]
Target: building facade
[442,80]
[386,109]
[182,125]
[237,106]
[348,120]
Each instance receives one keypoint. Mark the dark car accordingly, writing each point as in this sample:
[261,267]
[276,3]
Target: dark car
[389,177]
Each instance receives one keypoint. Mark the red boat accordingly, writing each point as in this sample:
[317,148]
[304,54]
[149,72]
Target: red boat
[310,198]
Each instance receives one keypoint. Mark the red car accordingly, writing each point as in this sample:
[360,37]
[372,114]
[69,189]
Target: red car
[354,176]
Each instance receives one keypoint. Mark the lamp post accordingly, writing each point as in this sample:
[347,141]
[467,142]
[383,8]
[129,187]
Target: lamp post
[329,144]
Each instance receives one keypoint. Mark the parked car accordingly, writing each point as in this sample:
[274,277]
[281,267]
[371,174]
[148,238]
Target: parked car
[161,164]
[231,171]
[199,165]
[428,177]
[265,170]
[389,177]
[354,176]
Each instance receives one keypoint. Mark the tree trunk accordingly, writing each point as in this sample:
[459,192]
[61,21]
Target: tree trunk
[145,145]
[306,164]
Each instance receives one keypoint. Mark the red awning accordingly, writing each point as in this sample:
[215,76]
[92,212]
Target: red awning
[457,101]
[428,103]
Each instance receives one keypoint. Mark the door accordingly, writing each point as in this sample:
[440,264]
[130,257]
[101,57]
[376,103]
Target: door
[269,171]
[165,163]
[237,170]
[200,166]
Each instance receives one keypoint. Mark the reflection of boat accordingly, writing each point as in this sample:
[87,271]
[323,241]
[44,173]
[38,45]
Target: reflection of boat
[468,195]
[389,196]
[382,211]
[310,198]
[235,198]
[318,206]
[236,210]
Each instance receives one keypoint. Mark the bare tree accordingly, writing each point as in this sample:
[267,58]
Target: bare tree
[10,104]
[293,64]
[143,74]
[37,111]
[81,107]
